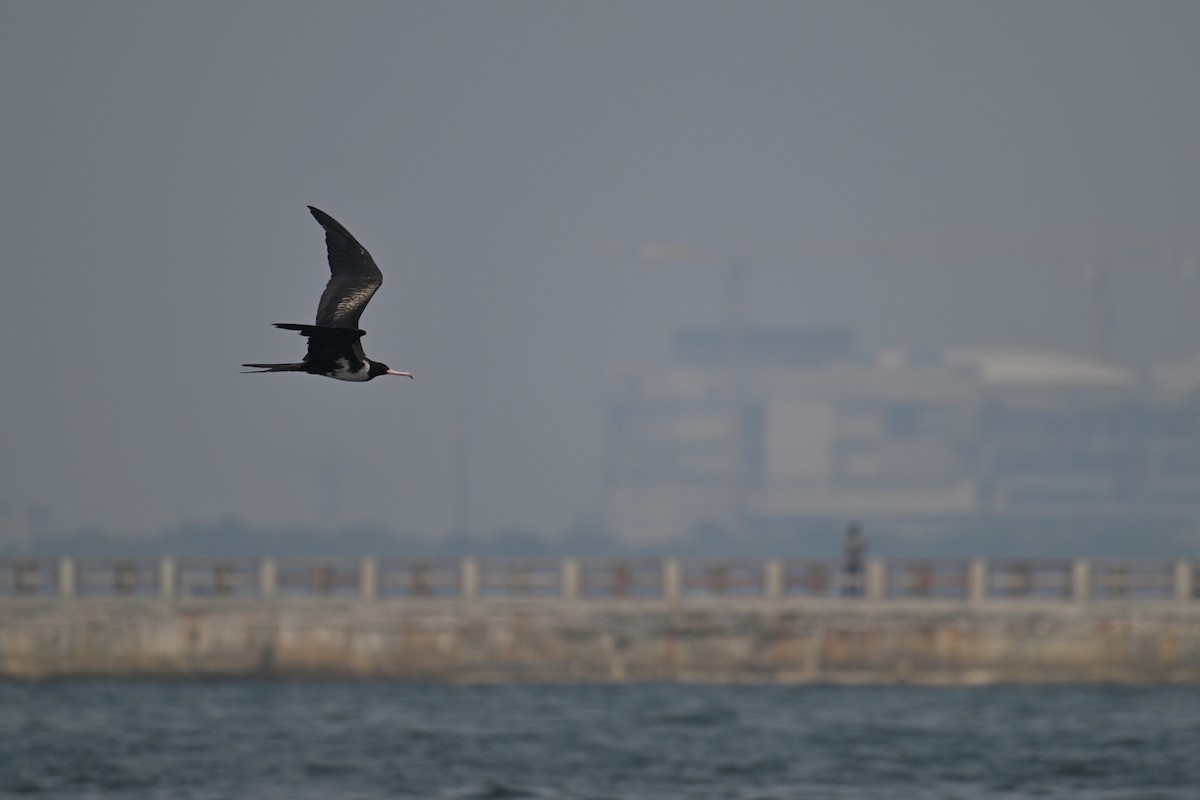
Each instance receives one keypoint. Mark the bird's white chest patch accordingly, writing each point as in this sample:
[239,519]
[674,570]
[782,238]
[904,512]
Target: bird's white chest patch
[343,372]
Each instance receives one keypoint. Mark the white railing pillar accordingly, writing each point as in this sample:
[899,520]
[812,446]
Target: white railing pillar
[773,579]
[468,579]
[66,577]
[368,578]
[1185,581]
[267,578]
[570,579]
[672,579]
[977,580]
[1081,580]
[166,577]
[876,580]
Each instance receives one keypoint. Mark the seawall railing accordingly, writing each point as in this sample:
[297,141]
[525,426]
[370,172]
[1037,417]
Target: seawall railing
[581,579]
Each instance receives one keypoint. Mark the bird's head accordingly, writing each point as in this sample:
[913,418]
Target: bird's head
[378,369]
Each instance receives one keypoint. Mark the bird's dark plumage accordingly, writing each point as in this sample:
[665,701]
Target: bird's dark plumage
[334,342]
[353,276]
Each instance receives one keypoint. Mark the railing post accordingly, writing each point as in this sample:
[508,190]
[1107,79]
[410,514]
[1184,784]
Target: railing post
[468,579]
[570,579]
[368,578]
[773,579]
[267,578]
[876,588]
[66,577]
[977,581]
[672,579]
[166,577]
[1184,580]
[1081,580]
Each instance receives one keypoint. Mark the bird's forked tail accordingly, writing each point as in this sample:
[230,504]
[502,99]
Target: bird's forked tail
[274,368]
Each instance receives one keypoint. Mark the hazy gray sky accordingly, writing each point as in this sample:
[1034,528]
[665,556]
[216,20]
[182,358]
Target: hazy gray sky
[157,159]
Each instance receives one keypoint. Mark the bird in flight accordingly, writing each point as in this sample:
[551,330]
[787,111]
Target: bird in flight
[334,346]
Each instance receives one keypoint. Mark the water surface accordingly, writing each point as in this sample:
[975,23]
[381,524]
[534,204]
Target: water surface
[378,740]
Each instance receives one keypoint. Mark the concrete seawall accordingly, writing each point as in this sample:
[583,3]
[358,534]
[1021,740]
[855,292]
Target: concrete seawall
[602,620]
[726,640]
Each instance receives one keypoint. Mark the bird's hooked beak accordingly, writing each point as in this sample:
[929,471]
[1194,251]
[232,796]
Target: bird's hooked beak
[401,374]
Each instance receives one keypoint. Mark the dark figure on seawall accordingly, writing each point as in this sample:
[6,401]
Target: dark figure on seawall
[334,346]
[855,549]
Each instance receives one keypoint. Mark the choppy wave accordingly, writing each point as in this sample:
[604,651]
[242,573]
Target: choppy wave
[368,741]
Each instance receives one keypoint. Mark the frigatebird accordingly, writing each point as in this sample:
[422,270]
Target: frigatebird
[334,346]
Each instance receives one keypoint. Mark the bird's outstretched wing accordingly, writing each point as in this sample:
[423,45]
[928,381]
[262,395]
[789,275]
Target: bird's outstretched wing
[353,276]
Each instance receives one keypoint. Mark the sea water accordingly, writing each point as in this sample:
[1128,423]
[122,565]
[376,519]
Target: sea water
[378,740]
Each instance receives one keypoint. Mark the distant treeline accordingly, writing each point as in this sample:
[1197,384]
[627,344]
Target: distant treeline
[816,538]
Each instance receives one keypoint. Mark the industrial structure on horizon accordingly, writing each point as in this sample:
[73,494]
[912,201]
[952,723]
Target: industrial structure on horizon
[753,428]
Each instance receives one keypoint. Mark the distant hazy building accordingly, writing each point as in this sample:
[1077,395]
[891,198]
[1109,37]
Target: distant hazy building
[789,424]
